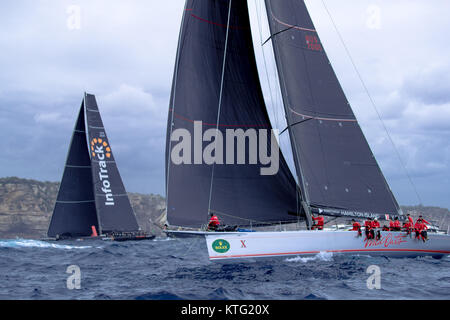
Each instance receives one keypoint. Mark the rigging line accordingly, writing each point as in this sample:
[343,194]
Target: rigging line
[294,145]
[372,102]
[252,220]
[276,104]
[220,99]
[277,33]
[172,107]
[294,124]
[265,66]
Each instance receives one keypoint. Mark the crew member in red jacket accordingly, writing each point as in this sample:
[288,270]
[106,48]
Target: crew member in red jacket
[356,227]
[319,224]
[410,219]
[421,230]
[213,222]
[396,225]
[376,227]
[407,227]
[391,225]
[423,220]
[368,228]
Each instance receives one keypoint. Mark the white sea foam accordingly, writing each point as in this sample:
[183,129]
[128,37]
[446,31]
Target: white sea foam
[321,256]
[25,243]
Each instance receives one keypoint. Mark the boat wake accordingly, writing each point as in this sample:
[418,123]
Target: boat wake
[321,256]
[25,243]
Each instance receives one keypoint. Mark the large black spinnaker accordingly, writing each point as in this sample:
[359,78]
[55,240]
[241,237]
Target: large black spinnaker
[336,168]
[216,70]
[113,205]
[74,212]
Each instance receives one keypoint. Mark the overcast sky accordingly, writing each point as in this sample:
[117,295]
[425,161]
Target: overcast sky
[124,53]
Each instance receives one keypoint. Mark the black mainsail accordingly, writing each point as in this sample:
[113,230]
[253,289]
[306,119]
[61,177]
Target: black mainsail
[91,192]
[74,212]
[216,82]
[336,168]
[111,199]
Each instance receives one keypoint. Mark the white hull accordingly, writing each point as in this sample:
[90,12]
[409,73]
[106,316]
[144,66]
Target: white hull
[300,243]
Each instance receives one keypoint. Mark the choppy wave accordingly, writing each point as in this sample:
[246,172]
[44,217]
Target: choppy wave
[180,269]
[321,256]
[26,243]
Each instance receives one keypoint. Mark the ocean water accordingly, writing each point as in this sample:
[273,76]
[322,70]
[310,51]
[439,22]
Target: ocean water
[166,269]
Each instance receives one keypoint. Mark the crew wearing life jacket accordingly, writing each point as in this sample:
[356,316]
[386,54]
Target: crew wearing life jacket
[375,224]
[376,227]
[407,227]
[410,219]
[391,225]
[319,224]
[421,230]
[370,234]
[423,220]
[356,227]
[213,222]
[396,226]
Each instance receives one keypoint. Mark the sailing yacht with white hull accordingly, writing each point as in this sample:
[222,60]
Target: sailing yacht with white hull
[216,84]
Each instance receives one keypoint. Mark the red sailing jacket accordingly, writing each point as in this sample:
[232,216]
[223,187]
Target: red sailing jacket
[356,226]
[319,221]
[407,225]
[391,224]
[214,221]
[411,220]
[420,226]
[368,224]
[397,224]
[375,224]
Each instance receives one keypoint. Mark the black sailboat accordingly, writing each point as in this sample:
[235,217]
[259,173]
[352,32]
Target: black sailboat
[216,82]
[92,200]
[216,86]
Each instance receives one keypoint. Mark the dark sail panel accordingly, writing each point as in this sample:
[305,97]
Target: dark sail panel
[112,202]
[74,211]
[238,194]
[336,168]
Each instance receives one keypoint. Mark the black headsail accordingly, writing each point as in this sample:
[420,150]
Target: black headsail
[336,168]
[74,211]
[216,82]
[112,202]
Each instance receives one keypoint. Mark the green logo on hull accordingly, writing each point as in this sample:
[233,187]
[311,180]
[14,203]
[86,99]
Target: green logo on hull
[221,246]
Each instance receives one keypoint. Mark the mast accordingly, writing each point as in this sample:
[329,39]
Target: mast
[337,171]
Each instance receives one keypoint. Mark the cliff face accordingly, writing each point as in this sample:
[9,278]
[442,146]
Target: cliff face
[26,207]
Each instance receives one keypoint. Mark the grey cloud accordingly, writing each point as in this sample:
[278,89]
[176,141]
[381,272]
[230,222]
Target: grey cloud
[125,54]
